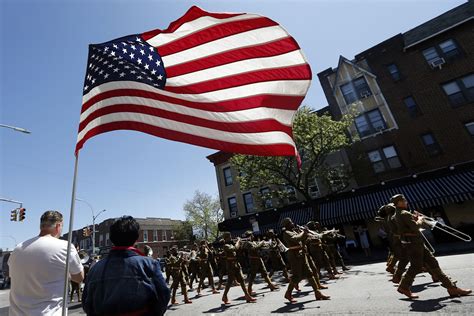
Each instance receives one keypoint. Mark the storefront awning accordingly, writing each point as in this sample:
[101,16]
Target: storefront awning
[423,193]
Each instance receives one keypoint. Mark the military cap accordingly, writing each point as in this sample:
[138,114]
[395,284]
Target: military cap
[286,221]
[397,198]
[311,225]
[270,232]
[248,233]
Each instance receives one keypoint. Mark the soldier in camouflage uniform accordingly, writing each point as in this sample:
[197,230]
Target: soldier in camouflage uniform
[234,271]
[408,225]
[205,268]
[174,266]
[299,265]
[255,262]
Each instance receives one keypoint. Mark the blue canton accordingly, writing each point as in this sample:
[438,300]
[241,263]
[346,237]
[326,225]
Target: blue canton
[127,58]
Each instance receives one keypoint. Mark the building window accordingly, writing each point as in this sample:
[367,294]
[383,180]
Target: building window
[437,55]
[266,197]
[232,201]
[369,123]
[248,200]
[355,90]
[394,72]
[411,106]
[163,235]
[145,235]
[431,145]
[227,176]
[313,189]
[460,91]
[470,128]
[107,239]
[291,193]
[384,159]
[101,240]
[155,235]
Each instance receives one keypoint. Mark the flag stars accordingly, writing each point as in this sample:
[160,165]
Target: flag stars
[147,66]
[124,50]
[153,72]
[133,47]
[115,46]
[150,57]
[122,74]
[116,69]
[132,55]
[158,63]
[139,77]
[93,81]
[112,53]
[86,87]
[160,77]
[142,52]
[139,61]
[106,76]
[152,49]
[138,39]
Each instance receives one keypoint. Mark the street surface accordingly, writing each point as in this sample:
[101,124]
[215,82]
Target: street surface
[364,290]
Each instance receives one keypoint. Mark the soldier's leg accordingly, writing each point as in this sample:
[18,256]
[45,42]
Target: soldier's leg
[264,274]
[415,255]
[308,274]
[251,276]
[174,288]
[230,280]
[202,276]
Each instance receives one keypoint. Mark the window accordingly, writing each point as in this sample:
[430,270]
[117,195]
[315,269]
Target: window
[227,176]
[370,123]
[460,91]
[412,108]
[163,235]
[394,72]
[291,193]
[266,197]
[101,240]
[248,200]
[155,235]
[470,128]
[313,189]
[232,201]
[384,159]
[448,50]
[355,90]
[107,239]
[145,235]
[431,145]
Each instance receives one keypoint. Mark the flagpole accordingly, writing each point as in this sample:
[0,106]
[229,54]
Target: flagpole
[69,238]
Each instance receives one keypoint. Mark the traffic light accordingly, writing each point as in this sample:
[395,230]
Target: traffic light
[13,216]
[22,214]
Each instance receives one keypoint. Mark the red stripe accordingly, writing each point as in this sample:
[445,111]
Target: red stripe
[277,47]
[192,14]
[285,102]
[258,126]
[213,33]
[261,150]
[298,72]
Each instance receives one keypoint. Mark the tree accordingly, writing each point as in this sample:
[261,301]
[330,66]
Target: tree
[183,231]
[203,212]
[315,136]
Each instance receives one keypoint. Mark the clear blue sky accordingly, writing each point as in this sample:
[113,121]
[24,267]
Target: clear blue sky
[43,59]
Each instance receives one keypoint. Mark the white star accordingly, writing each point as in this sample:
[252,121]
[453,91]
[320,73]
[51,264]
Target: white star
[101,72]
[160,77]
[121,62]
[89,77]
[124,44]
[139,61]
[142,52]
[86,87]
[151,48]
[116,69]
[106,76]
[115,46]
[124,50]
[139,77]
[153,72]
[93,81]
[112,53]
[147,66]
[105,62]
[149,78]
[138,39]
[150,58]
[111,65]
[133,72]
[133,47]
[90,65]
[106,49]
[93,56]
[132,55]
[122,74]
[127,67]
[158,63]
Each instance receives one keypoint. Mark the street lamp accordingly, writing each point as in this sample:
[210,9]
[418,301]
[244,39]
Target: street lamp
[18,129]
[93,222]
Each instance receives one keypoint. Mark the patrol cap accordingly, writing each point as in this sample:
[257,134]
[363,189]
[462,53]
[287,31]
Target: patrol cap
[248,233]
[397,198]
[311,225]
[286,221]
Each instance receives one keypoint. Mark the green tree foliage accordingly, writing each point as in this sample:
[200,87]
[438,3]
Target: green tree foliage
[204,212]
[183,231]
[315,136]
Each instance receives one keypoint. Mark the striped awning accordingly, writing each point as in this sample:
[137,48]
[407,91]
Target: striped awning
[452,188]
[299,216]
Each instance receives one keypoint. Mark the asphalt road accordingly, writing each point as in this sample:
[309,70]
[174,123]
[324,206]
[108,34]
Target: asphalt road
[364,290]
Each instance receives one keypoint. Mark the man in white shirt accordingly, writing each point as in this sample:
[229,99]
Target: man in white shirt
[37,268]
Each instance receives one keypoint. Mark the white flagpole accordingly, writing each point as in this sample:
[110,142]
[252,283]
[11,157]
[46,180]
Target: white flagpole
[69,238]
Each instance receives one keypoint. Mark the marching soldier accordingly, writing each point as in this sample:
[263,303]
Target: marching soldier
[330,245]
[409,228]
[221,263]
[234,271]
[174,265]
[316,250]
[276,260]
[205,268]
[298,263]
[256,262]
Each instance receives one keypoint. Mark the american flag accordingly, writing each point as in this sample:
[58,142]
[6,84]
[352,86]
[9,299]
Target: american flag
[230,82]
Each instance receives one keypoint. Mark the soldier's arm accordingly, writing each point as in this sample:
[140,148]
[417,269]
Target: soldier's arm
[410,221]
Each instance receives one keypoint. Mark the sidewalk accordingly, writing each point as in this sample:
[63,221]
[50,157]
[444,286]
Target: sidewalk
[357,256]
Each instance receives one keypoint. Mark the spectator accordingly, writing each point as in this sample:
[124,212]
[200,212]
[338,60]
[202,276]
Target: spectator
[125,282]
[364,241]
[37,270]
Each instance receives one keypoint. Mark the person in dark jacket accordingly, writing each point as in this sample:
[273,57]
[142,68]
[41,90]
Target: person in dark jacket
[126,282]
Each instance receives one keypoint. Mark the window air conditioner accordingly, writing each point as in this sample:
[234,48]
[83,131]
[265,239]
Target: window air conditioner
[233,214]
[437,63]
[365,94]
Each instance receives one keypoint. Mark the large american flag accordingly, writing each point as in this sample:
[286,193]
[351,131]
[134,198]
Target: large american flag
[230,82]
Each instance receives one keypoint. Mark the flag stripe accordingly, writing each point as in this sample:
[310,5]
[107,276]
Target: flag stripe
[241,67]
[272,137]
[290,73]
[280,87]
[248,38]
[254,126]
[285,117]
[213,33]
[267,49]
[194,19]
[251,149]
